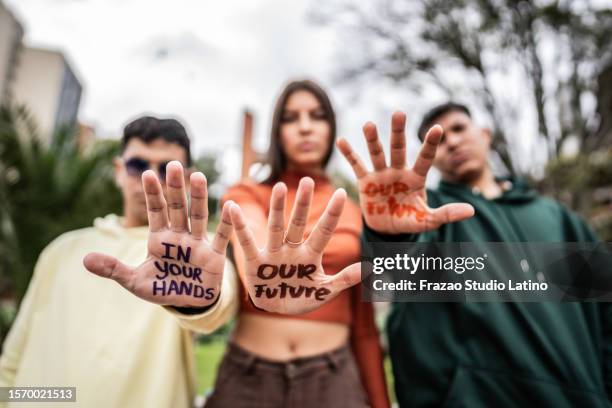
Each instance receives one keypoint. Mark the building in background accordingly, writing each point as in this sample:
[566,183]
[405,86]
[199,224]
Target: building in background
[252,161]
[86,135]
[40,79]
[11,35]
[47,85]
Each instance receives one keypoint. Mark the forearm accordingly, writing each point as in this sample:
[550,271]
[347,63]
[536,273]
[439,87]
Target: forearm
[368,354]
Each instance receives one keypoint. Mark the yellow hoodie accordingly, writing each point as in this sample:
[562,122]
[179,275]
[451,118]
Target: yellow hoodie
[75,329]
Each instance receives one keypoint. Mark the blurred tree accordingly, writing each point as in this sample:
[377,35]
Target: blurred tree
[45,189]
[207,164]
[604,110]
[583,183]
[554,50]
[341,181]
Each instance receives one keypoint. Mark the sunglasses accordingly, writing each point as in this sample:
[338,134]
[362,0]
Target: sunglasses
[136,166]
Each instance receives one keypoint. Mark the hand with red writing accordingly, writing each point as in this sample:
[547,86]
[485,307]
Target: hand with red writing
[393,198]
[286,275]
[183,268]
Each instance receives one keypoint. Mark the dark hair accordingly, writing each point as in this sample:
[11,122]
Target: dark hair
[435,113]
[276,156]
[149,128]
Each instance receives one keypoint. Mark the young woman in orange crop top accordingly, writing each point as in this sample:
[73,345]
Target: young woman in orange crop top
[326,357]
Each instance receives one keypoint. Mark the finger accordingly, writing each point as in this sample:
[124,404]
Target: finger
[177,199]
[349,276]
[299,214]
[428,150]
[243,232]
[452,213]
[109,267]
[322,232]
[276,219]
[157,210]
[198,208]
[224,230]
[352,157]
[374,147]
[398,140]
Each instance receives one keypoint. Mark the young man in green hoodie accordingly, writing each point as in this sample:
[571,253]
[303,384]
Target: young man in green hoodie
[479,354]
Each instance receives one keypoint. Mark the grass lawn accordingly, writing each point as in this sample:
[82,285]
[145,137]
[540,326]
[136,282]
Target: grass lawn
[209,354]
[208,357]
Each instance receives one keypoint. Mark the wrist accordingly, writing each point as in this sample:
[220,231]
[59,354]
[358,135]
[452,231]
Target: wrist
[193,310]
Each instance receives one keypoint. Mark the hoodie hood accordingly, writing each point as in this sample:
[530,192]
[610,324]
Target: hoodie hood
[112,225]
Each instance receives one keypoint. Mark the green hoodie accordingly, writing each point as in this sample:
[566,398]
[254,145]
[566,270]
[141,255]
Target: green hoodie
[501,354]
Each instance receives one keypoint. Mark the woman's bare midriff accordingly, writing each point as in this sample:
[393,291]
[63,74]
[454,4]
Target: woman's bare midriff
[284,339]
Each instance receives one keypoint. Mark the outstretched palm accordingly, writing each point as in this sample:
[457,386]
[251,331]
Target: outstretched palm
[286,276]
[182,268]
[393,199]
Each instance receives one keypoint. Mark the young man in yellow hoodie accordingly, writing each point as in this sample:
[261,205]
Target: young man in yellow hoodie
[74,329]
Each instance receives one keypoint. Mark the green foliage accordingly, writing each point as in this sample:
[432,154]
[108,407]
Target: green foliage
[207,164]
[341,181]
[482,51]
[208,356]
[46,188]
[584,183]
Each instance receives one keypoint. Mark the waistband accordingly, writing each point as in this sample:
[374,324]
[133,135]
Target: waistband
[301,366]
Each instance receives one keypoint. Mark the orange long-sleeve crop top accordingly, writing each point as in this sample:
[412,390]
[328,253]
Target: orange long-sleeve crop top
[343,249]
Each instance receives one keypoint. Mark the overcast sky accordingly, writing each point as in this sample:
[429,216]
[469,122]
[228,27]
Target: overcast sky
[202,61]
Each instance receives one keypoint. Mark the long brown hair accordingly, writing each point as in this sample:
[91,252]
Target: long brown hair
[277,159]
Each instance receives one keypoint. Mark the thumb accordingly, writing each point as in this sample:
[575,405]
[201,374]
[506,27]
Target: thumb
[109,267]
[349,276]
[453,212]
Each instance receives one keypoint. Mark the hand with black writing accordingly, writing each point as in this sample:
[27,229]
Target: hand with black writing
[393,198]
[183,268]
[286,275]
